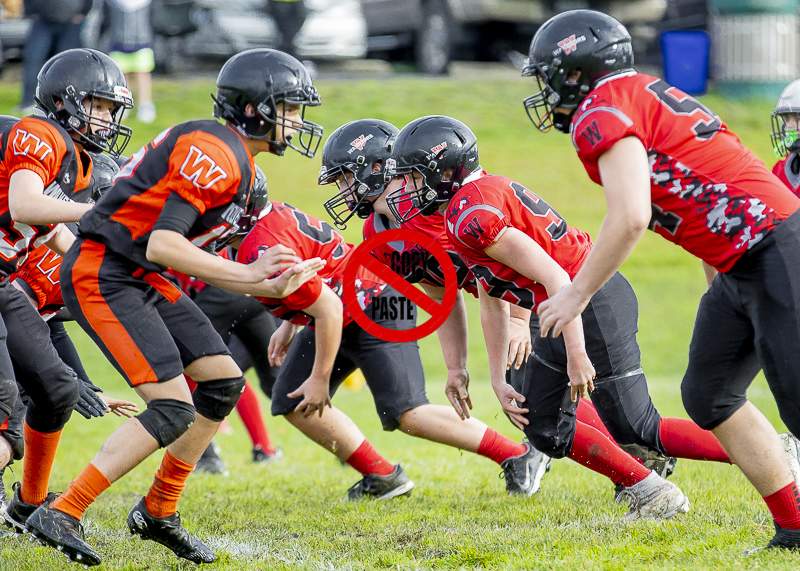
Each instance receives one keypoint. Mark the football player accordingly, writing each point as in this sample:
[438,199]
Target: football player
[521,251]
[668,163]
[175,196]
[45,166]
[785,137]
[355,158]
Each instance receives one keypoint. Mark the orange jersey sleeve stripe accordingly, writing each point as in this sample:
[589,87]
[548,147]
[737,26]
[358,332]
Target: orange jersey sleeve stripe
[85,276]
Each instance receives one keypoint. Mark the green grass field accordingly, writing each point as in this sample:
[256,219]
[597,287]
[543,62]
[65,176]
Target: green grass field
[288,515]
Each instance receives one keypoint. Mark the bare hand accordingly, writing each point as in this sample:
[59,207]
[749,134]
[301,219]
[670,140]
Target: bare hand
[581,375]
[316,395]
[457,391]
[508,398]
[280,341]
[120,407]
[557,311]
[292,278]
[272,261]
[520,347]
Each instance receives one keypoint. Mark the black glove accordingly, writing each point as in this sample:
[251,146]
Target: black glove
[89,404]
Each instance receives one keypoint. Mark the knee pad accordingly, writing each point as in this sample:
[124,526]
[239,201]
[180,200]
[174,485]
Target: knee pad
[555,444]
[215,399]
[167,419]
[708,410]
[52,401]
[8,397]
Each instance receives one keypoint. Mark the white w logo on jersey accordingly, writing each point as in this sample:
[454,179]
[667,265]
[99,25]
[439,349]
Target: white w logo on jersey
[23,141]
[201,170]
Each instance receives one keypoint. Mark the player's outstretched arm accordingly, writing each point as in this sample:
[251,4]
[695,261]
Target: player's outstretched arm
[28,204]
[522,253]
[61,241]
[520,346]
[494,322]
[625,171]
[454,339]
[327,313]
[280,341]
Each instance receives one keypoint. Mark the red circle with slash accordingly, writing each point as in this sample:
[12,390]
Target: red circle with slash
[362,256]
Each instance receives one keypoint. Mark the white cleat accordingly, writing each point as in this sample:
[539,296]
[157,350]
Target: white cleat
[653,498]
[791,446]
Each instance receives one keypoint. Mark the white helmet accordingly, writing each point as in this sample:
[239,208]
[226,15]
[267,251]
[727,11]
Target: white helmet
[784,141]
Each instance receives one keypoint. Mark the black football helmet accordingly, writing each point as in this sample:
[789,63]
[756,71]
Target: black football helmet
[429,146]
[271,80]
[104,169]
[785,141]
[75,75]
[256,201]
[584,41]
[349,158]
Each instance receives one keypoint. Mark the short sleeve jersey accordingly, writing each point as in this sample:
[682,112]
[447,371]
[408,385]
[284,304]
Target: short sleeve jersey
[309,237]
[413,262]
[41,272]
[709,194]
[203,162]
[483,208]
[43,147]
[788,172]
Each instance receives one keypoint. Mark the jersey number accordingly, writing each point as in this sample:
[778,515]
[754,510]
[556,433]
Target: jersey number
[667,220]
[14,242]
[322,235]
[708,123]
[538,207]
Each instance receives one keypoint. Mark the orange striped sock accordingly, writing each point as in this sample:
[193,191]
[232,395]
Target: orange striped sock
[40,451]
[168,484]
[82,491]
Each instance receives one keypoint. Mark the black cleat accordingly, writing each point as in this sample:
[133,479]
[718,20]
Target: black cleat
[210,462]
[381,487]
[783,539]
[524,473]
[261,457]
[17,512]
[64,532]
[169,532]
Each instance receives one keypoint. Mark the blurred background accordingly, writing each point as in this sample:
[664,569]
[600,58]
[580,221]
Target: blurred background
[746,47]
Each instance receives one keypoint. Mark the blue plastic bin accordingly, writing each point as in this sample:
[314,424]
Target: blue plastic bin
[685,59]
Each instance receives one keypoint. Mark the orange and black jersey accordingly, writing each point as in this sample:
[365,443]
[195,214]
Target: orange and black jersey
[193,178]
[44,147]
[40,275]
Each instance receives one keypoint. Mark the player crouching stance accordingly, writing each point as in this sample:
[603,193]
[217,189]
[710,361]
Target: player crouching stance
[178,194]
[360,177]
[521,251]
[667,162]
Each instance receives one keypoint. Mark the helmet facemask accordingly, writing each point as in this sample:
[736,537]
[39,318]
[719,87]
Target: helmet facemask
[553,88]
[309,135]
[416,196]
[101,135]
[352,196]
[785,141]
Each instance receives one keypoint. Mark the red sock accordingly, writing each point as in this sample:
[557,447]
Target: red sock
[785,506]
[82,491]
[682,438]
[497,447]
[593,450]
[40,451]
[249,409]
[168,484]
[587,414]
[366,460]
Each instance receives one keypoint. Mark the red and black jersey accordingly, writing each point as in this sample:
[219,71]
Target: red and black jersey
[44,147]
[483,208]
[788,172]
[202,169]
[710,195]
[413,262]
[40,273]
[309,237]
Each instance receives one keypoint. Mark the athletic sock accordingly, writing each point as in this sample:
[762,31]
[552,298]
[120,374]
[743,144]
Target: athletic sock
[40,451]
[587,414]
[168,484]
[682,438]
[785,506]
[592,449]
[249,410]
[498,448]
[366,460]
[82,491]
